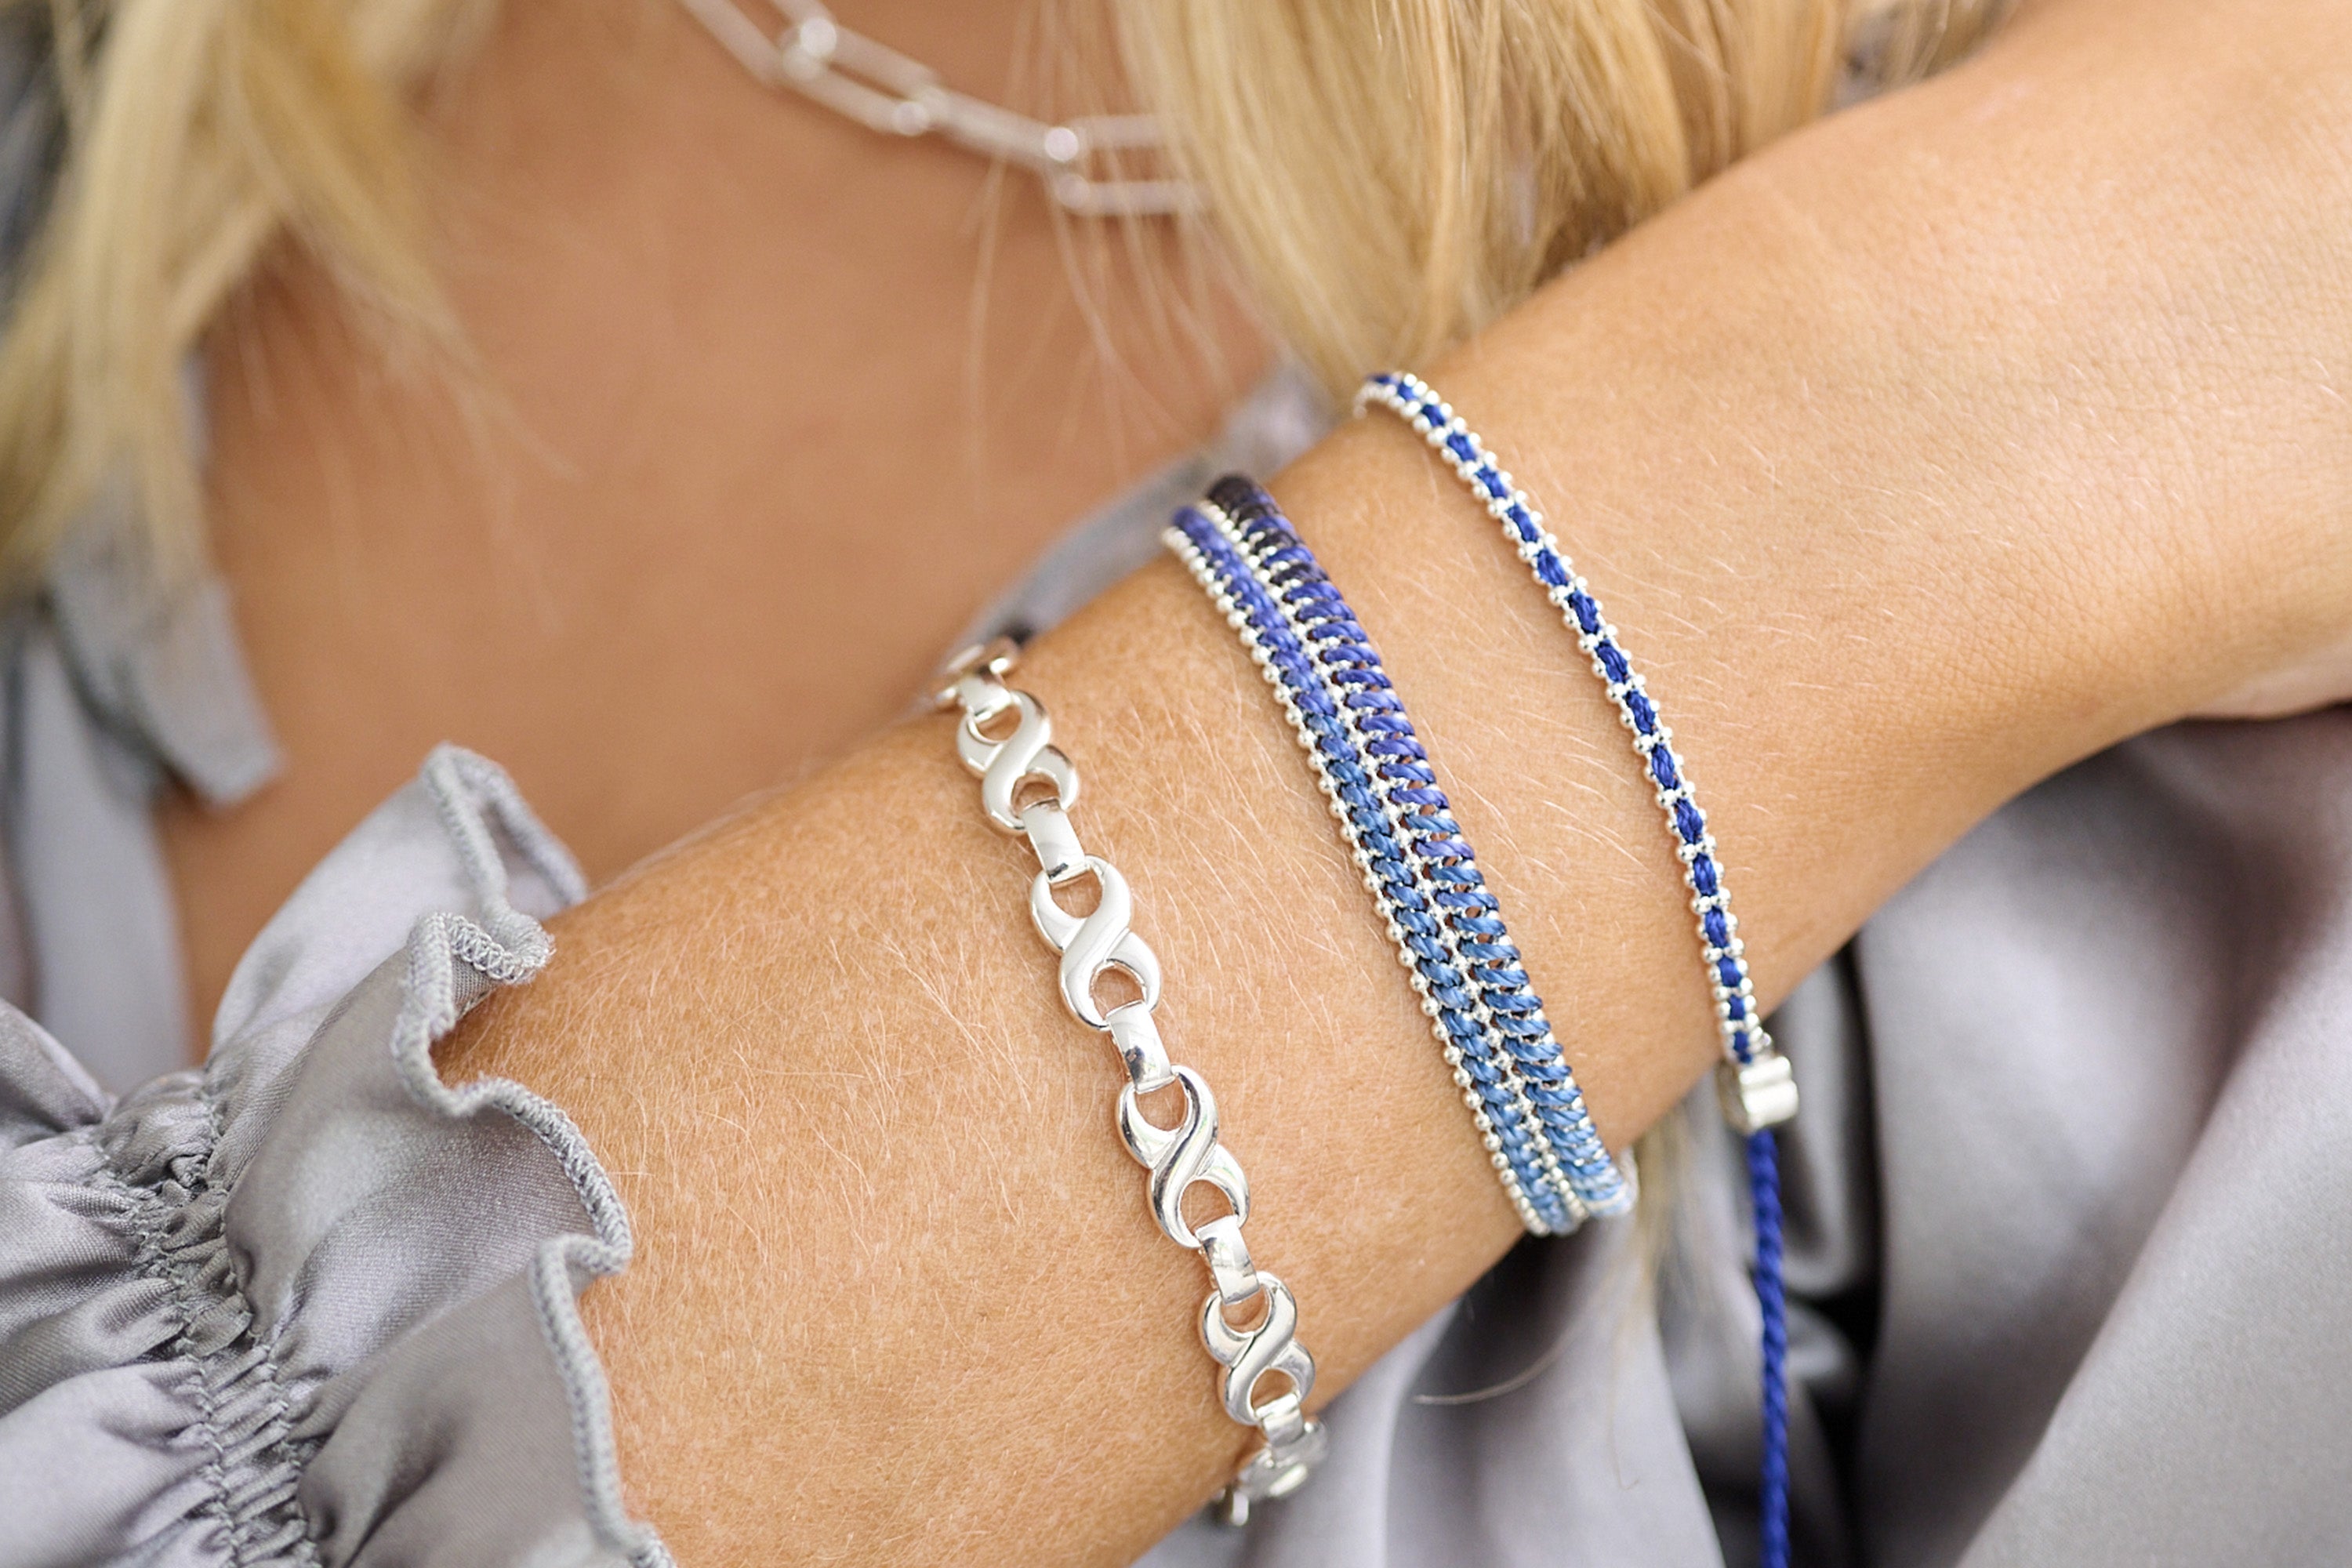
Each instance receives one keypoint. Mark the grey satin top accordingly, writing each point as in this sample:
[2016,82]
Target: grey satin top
[2069,1205]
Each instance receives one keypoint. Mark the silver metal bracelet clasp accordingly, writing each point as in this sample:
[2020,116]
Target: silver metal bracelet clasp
[1756,1094]
[973,678]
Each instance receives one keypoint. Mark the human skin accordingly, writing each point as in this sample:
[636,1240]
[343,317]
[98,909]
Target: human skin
[755,384]
[1927,452]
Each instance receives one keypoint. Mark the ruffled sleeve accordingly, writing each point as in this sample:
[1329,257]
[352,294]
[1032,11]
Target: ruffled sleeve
[310,1305]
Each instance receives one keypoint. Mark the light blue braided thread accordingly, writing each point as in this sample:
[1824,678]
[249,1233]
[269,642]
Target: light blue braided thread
[1226,575]
[1444,856]
[1439,876]
[1471,910]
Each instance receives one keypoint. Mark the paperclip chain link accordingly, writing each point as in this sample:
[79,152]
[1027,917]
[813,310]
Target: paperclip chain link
[897,95]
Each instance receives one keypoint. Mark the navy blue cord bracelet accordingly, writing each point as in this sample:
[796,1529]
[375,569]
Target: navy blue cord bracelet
[1422,872]
[1754,1085]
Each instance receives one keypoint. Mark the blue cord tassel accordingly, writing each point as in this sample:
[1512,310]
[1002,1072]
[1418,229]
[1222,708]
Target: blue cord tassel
[1771,1296]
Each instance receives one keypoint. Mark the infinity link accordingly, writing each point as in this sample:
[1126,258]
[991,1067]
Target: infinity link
[1295,1442]
[1179,1157]
[1005,765]
[1094,941]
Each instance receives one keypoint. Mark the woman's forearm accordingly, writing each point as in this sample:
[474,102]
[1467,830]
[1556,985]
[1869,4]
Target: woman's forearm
[1892,506]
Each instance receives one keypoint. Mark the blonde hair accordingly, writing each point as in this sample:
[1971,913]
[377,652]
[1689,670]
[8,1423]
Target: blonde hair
[1390,174]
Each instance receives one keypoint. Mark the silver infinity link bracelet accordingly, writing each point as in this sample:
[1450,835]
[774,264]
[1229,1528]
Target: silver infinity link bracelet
[1026,788]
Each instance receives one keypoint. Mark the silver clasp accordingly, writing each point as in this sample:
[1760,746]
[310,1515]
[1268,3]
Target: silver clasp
[1756,1094]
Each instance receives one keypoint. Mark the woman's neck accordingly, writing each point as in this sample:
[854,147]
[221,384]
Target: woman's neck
[769,405]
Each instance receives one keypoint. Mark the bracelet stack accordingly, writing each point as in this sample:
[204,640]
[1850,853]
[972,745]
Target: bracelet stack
[1446,924]
[1753,1085]
[1026,788]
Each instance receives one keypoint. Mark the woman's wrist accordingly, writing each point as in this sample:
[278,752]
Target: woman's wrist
[1883,581]
[2109,257]
[2056,342]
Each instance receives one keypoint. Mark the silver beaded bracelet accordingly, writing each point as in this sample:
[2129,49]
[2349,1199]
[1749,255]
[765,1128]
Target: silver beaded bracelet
[1026,788]
[1754,1084]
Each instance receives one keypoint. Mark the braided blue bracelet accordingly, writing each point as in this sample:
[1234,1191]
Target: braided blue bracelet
[1504,1119]
[1754,1085]
[1420,871]
[1444,858]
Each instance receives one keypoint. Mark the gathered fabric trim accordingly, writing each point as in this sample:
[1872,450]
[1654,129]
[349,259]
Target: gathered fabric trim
[245,1412]
[452,962]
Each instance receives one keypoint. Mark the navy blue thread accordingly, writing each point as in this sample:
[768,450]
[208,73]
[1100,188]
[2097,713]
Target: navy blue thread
[1745,1041]
[1772,1297]
[1220,565]
[1444,856]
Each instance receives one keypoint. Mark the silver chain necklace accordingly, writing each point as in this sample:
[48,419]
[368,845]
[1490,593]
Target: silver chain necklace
[886,91]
